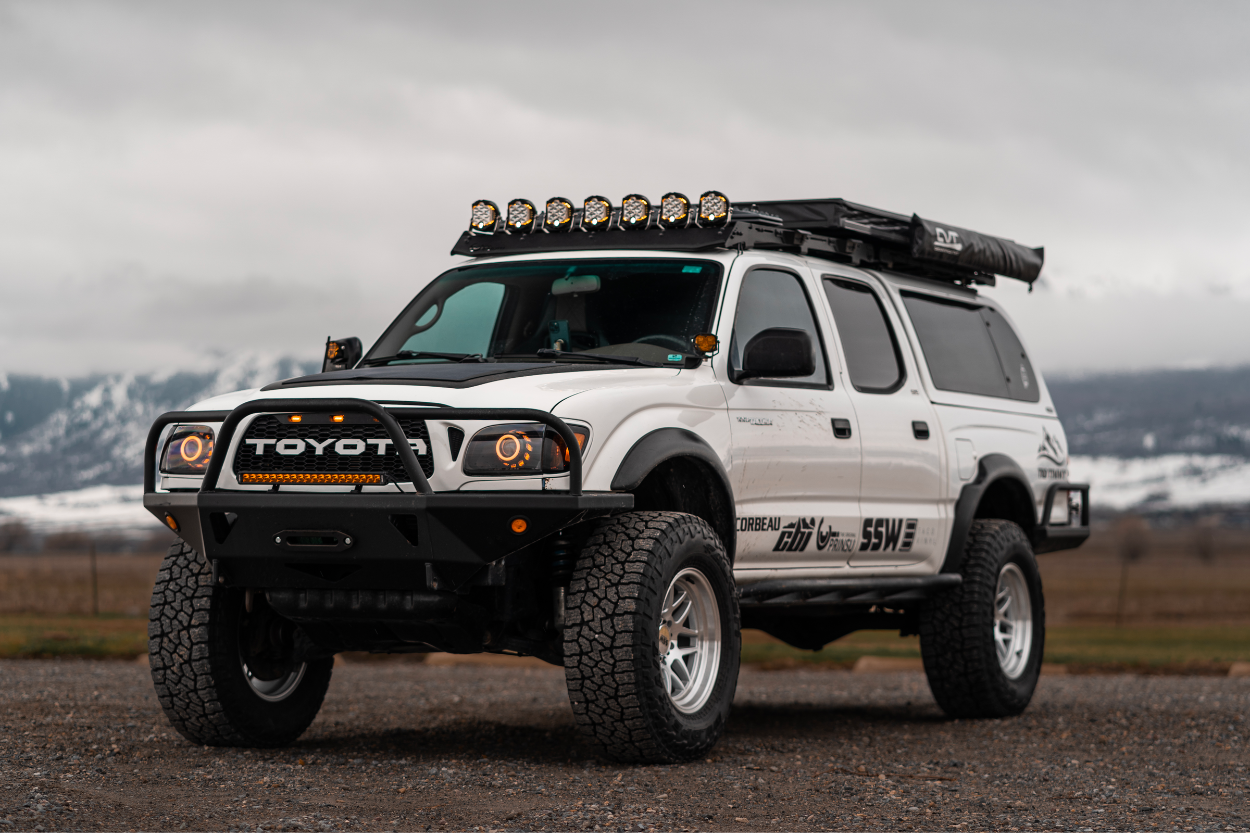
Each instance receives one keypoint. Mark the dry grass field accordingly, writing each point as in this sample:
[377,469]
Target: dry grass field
[1182,603]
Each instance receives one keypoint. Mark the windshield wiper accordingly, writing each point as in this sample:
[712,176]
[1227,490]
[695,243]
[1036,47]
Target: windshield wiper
[548,352]
[425,354]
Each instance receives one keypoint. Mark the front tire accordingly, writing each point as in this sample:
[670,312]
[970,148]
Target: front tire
[224,675]
[651,638]
[982,641]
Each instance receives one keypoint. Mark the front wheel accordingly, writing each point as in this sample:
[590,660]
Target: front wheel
[651,640]
[982,641]
[224,666]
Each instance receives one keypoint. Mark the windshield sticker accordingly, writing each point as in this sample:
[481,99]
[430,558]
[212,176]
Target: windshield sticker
[674,357]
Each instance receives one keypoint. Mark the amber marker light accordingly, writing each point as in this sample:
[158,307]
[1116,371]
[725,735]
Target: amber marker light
[519,525]
[171,522]
[295,418]
[706,343]
[337,418]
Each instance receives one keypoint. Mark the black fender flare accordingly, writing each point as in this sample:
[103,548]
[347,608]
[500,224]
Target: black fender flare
[991,469]
[664,444]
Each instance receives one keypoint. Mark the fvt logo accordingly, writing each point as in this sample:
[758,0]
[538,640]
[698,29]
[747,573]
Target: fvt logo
[947,241]
[350,448]
[883,534]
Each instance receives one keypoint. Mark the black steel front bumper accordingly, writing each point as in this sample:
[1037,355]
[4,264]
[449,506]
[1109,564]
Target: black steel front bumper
[348,540]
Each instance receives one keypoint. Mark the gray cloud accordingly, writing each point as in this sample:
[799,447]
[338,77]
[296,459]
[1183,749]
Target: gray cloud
[156,153]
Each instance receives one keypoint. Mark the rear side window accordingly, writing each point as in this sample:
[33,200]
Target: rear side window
[868,342]
[971,349]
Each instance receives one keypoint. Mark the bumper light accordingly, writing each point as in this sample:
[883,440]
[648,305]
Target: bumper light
[188,450]
[310,479]
[523,448]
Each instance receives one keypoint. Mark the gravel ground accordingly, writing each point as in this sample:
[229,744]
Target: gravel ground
[83,745]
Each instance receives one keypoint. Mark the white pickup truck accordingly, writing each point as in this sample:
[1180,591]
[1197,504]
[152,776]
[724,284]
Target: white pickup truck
[612,438]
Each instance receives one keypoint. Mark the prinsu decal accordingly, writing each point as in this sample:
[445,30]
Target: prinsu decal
[795,536]
[896,534]
[350,448]
[833,540]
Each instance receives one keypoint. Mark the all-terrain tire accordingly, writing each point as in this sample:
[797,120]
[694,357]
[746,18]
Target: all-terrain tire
[194,652]
[615,626]
[958,628]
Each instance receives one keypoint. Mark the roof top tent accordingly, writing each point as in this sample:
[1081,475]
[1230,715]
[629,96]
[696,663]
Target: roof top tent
[829,228]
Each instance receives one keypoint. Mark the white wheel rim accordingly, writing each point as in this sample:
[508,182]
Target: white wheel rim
[1013,621]
[689,640]
[274,691]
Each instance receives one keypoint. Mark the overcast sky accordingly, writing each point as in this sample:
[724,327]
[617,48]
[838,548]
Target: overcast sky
[183,179]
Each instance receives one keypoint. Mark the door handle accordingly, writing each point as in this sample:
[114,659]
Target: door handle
[920,430]
[842,429]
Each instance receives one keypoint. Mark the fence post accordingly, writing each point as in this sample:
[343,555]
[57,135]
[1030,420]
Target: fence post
[95,584]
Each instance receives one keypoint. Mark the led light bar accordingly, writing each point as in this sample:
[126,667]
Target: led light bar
[558,216]
[635,211]
[674,210]
[309,479]
[521,217]
[596,214]
[484,218]
[713,209]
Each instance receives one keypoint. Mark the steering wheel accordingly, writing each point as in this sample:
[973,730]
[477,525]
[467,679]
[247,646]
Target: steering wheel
[665,340]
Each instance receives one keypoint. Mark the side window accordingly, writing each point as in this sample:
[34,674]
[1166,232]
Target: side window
[1021,381]
[868,342]
[771,298]
[957,346]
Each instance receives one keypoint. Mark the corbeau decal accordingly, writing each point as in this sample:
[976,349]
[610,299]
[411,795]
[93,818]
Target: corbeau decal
[351,448]
[759,524]
[884,534]
[796,535]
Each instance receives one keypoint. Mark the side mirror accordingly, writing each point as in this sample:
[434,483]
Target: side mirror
[341,354]
[777,353]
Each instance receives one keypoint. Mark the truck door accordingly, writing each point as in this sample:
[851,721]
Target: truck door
[796,447]
[903,519]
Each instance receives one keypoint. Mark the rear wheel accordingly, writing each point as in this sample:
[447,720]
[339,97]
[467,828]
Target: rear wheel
[982,641]
[651,639]
[224,666]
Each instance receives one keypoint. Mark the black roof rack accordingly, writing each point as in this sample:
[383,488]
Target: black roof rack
[829,228]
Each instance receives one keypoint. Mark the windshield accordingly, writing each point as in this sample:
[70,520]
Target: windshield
[649,310]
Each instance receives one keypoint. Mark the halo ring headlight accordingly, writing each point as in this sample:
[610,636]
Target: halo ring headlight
[521,216]
[714,209]
[635,212]
[596,213]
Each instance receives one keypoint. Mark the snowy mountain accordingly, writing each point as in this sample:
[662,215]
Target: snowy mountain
[59,435]
[71,449]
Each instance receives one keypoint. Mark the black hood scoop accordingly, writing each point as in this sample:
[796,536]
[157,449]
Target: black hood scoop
[444,375]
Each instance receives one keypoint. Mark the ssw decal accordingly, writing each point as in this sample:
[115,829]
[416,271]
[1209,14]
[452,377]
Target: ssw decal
[896,534]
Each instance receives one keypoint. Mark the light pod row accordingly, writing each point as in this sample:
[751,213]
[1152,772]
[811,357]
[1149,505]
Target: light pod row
[598,214]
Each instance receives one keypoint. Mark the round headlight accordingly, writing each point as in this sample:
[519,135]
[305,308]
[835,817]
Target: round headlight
[188,451]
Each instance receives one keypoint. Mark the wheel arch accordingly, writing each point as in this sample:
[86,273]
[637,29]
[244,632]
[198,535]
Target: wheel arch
[675,469]
[1000,490]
